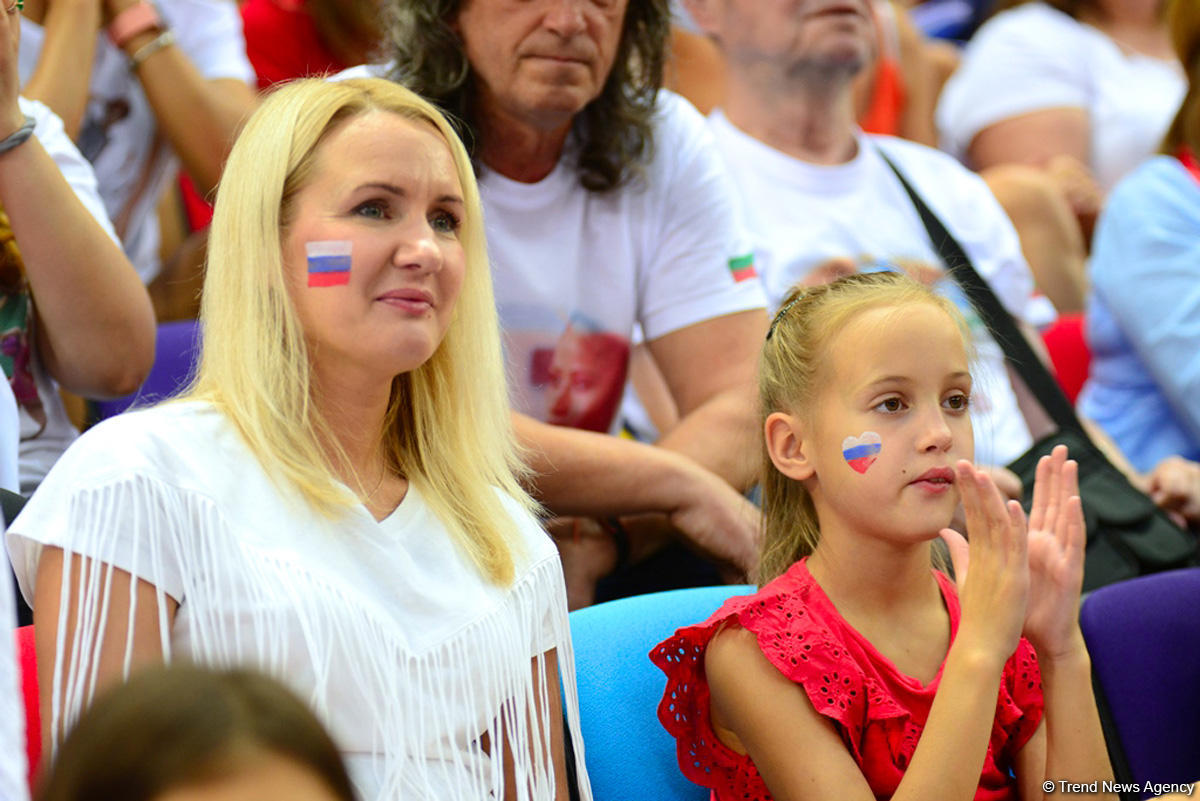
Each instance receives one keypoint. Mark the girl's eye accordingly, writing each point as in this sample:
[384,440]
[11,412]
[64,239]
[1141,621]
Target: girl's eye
[958,402]
[444,222]
[372,209]
[890,405]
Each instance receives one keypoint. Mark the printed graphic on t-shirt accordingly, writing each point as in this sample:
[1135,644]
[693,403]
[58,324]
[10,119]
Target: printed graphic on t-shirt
[569,375]
[583,377]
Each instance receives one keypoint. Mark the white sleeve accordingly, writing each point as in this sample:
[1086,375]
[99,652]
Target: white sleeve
[701,262]
[1021,61]
[104,507]
[210,32]
[102,500]
[71,163]
[13,767]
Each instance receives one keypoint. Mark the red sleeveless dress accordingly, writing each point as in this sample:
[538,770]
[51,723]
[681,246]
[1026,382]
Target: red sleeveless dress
[878,711]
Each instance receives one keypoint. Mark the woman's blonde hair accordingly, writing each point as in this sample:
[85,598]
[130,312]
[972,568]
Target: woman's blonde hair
[1183,19]
[791,369]
[447,425]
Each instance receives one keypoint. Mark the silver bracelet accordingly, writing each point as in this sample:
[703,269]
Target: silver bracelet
[164,39]
[19,136]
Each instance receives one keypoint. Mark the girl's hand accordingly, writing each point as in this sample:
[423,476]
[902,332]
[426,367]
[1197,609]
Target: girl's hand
[1056,543]
[994,591]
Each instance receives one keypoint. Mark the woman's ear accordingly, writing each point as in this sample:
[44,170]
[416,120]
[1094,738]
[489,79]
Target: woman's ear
[787,446]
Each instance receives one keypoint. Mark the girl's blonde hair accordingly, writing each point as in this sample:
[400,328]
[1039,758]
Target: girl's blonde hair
[1183,19]
[791,369]
[447,425]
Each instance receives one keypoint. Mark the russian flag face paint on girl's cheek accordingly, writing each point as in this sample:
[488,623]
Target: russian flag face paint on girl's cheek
[861,452]
[328,262]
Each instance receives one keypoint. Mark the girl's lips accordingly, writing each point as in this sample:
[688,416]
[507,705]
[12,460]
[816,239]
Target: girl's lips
[934,481]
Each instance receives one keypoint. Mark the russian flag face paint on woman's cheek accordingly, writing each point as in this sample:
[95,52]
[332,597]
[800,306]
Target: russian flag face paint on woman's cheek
[328,262]
[862,451]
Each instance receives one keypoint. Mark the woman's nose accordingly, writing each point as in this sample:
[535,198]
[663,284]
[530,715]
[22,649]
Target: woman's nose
[418,248]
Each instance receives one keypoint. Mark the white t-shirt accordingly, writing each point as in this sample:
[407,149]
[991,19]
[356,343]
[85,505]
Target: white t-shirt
[803,214]
[41,446]
[665,252]
[402,649]
[120,135]
[1035,57]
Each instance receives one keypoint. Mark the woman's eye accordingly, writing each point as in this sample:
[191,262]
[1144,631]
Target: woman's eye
[890,405]
[958,402]
[373,209]
[444,222]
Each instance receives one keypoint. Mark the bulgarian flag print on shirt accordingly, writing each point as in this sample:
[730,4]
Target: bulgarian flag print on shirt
[742,268]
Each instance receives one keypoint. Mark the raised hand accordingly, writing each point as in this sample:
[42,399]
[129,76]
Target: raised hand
[1056,542]
[992,572]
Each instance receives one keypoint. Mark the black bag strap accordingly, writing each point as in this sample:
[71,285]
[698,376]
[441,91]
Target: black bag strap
[999,322]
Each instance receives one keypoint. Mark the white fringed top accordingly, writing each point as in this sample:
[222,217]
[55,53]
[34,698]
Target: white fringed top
[385,628]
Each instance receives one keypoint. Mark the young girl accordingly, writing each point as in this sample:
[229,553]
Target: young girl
[856,671]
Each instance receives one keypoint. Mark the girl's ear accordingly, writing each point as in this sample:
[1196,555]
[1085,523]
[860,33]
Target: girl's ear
[787,446]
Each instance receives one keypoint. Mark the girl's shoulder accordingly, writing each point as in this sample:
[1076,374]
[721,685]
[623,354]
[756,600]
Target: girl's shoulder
[800,632]
[797,630]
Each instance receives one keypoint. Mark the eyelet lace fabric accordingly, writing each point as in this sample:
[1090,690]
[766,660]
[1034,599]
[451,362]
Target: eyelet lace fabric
[879,712]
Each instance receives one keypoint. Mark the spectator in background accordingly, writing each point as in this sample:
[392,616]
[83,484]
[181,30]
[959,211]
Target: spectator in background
[1053,103]
[334,501]
[605,199]
[1092,80]
[824,201]
[187,732]
[136,85]
[73,312]
[1144,314]
[288,39]
[895,95]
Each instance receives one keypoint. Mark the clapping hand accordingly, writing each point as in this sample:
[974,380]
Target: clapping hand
[992,573]
[1056,542]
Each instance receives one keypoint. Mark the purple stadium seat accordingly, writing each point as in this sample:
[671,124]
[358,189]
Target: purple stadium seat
[1144,639]
[175,352]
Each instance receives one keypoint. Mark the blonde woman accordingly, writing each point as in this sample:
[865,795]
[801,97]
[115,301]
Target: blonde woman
[334,501]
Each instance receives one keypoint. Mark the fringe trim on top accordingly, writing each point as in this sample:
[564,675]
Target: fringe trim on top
[412,723]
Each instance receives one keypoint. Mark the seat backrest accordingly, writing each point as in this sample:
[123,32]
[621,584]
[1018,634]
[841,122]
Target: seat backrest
[1144,639]
[27,660]
[175,352]
[630,757]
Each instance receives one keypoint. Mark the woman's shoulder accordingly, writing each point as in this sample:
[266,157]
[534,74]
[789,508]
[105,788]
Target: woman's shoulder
[532,539]
[794,625]
[172,435]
